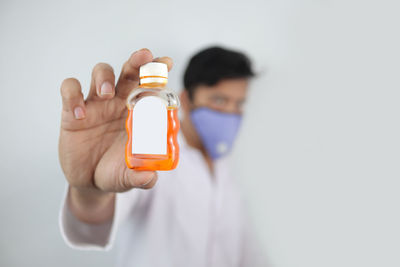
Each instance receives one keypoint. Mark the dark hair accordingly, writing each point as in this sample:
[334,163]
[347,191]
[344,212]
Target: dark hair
[211,65]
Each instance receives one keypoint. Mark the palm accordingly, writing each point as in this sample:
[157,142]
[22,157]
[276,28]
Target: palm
[92,149]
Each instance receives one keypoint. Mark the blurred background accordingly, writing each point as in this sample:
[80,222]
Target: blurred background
[318,155]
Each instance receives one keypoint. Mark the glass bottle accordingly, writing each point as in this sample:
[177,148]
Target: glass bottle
[152,124]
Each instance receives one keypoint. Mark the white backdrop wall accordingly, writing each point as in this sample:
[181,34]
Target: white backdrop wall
[319,149]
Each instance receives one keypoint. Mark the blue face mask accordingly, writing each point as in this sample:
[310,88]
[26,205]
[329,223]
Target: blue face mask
[217,130]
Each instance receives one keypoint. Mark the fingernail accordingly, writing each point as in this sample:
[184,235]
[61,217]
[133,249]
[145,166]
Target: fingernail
[79,113]
[149,181]
[106,89]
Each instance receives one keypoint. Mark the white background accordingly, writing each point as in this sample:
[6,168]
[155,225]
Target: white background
[319,149]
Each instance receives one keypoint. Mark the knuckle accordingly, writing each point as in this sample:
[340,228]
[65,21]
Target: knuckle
[74,183]
[124,180]
[78,182]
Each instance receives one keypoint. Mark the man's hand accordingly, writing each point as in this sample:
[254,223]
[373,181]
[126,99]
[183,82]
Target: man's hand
[93,137]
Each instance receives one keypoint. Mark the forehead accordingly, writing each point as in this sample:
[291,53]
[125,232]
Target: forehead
[229,88]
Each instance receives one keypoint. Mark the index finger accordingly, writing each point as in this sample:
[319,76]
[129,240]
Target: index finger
[129,77]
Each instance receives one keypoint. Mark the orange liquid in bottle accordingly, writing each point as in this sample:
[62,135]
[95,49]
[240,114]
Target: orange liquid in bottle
[153,162]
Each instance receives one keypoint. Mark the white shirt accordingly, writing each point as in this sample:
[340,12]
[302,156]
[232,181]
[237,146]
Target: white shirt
[190,218]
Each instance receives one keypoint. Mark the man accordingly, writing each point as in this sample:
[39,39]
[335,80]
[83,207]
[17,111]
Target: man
[194,216]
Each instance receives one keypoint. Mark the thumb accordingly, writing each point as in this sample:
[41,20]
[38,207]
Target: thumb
[138,179]
[123,179]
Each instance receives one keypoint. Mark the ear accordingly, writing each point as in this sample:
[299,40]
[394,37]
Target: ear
[185,101]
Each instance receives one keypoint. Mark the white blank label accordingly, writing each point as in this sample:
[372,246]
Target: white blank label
[149,126]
